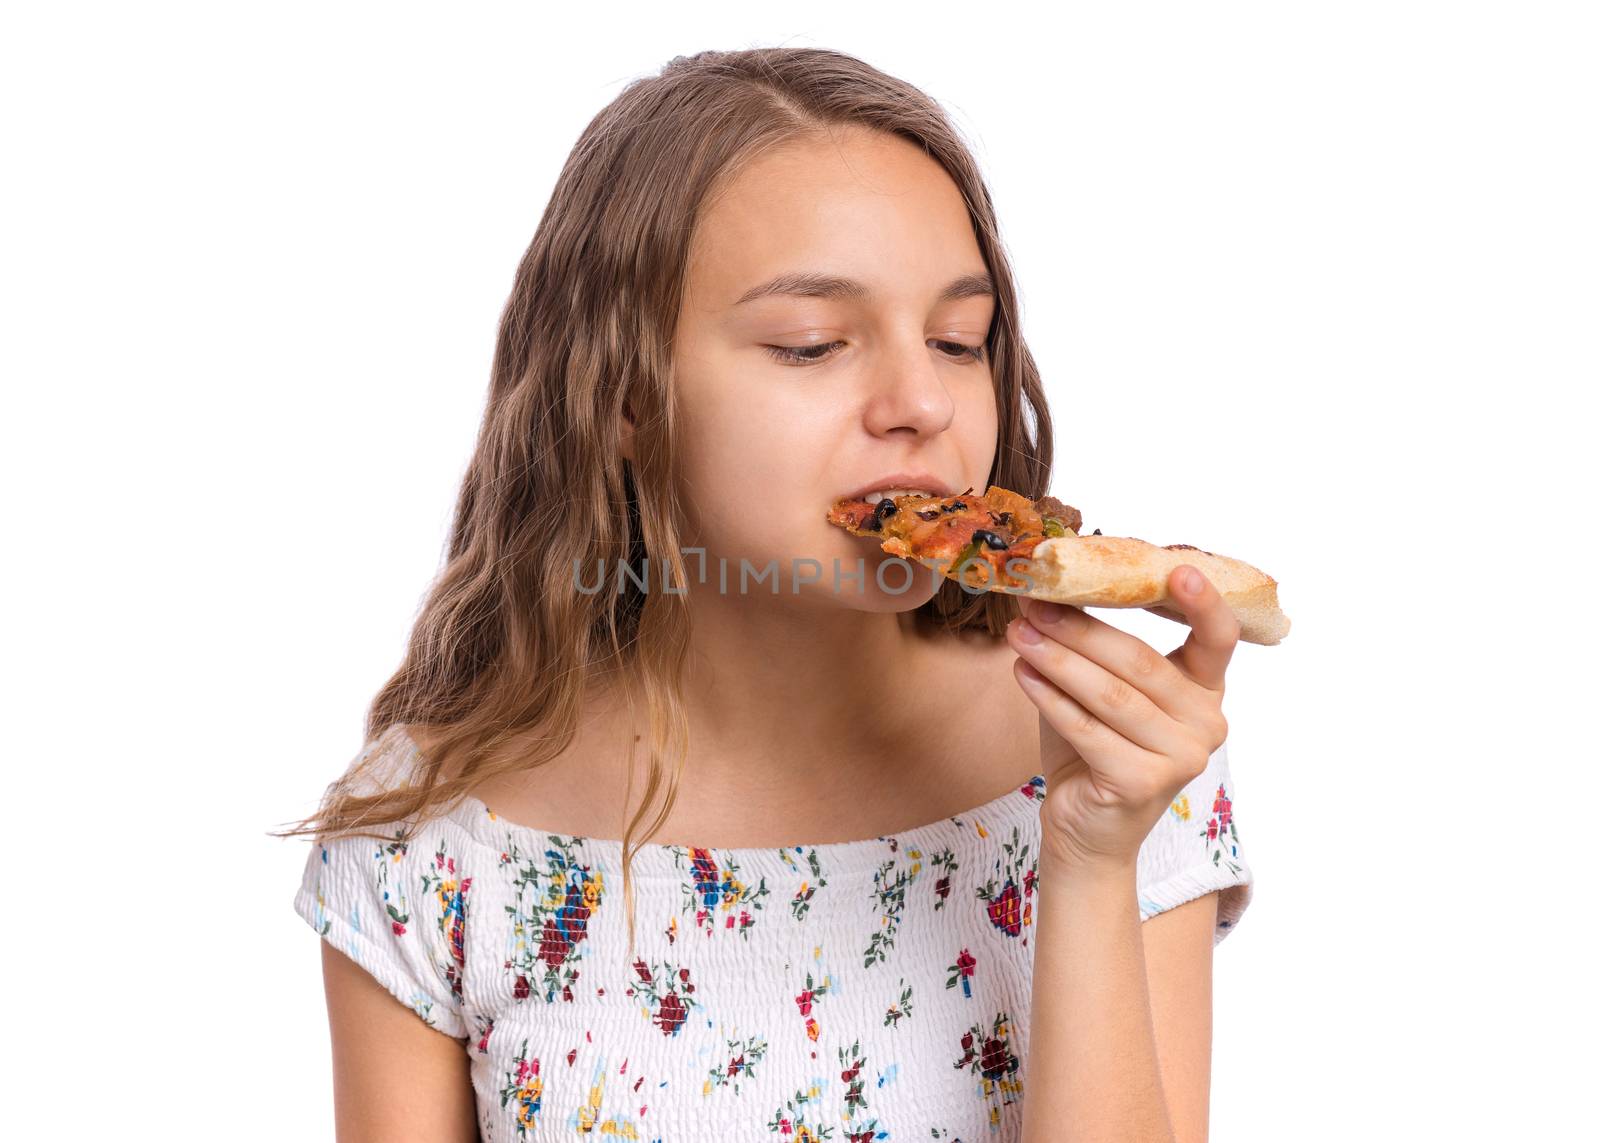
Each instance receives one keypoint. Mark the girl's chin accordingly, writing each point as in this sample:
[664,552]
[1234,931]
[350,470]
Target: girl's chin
[889,587]
[855,574]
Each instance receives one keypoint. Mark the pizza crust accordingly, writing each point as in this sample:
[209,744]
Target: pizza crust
[1121,571]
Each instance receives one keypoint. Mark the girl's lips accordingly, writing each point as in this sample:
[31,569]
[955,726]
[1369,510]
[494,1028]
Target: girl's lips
[896,481]
[894,493]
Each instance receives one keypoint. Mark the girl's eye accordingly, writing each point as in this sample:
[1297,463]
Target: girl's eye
[965,352]
[804,354]
[800,355]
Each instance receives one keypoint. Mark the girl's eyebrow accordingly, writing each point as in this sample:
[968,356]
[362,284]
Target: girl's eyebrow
[809,285]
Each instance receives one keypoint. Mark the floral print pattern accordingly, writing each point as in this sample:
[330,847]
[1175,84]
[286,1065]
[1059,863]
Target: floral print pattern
[988,1056]
[814,1024]
[1221,832]
[889,891]
[452,897]
[1006,905]
[710,891]
[523,1091]
[554,897]
[667,991]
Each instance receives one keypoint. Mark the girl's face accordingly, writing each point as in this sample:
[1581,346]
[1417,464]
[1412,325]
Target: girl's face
[793,394]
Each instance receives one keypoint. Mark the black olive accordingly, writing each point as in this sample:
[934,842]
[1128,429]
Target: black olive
[1001,518]
[928,514]
[984,536]
[1096,532]
[956,506]
[884,509]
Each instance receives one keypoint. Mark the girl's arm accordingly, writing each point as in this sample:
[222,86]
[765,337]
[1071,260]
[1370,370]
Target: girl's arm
[1178,949]
[1120,1046]
[395,1079]
[1092,1071]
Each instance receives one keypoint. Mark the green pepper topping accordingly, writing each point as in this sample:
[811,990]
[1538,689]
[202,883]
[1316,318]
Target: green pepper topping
[1054,527]
[966,553]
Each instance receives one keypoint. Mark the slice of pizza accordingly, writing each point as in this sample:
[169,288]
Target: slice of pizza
[1000,540]
[973,535]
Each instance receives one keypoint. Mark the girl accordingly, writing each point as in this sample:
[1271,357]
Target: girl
[905,834]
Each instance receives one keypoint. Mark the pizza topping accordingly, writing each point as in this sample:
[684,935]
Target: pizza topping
[959,564]
[993,528]
[1050,506]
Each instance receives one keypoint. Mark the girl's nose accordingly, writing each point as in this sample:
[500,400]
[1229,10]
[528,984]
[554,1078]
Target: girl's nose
[909,394]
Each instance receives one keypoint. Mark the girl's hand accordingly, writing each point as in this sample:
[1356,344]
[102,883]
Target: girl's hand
[1121,729]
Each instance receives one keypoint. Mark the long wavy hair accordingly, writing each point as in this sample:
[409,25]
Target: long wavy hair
[504,644]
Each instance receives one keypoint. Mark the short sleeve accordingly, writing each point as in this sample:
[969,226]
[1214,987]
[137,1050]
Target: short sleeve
[397,908]
[1195,849]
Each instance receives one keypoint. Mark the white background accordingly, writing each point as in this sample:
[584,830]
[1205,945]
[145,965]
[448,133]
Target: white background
[1315,285]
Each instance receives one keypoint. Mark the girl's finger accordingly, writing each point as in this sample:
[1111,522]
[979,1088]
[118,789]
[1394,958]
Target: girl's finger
[1131,659]
[1118,763]
[1213,628]
[1110,699]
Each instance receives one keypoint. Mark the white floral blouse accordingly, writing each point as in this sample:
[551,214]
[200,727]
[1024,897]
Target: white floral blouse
[851,991]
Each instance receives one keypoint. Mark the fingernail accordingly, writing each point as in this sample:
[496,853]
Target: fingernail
[1192,581]
[1045,612]
[1027,632]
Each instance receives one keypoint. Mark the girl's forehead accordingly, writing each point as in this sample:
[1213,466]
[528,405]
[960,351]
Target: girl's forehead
[890,214]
